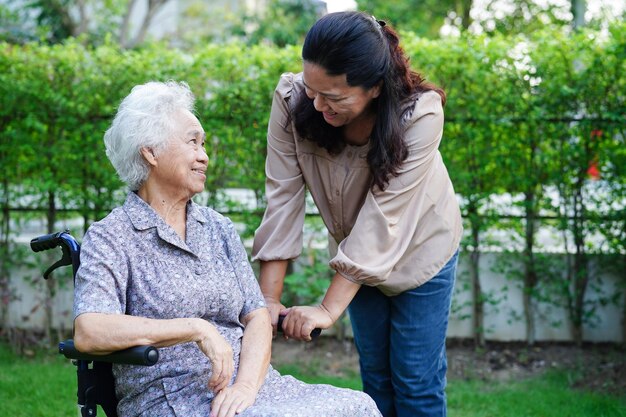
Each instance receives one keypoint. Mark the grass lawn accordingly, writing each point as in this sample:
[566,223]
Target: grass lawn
[42,386]
[547,396]
[46,386]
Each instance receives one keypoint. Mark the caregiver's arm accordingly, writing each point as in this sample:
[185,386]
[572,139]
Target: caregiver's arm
[271,279]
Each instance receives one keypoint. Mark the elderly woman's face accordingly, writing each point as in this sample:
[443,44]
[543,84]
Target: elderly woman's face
[340,103]
[181,167]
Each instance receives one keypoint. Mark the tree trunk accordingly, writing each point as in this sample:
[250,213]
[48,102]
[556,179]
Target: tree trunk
[125,27]
[578,11]
[83,23]
[478,316]
[5,290]
[464,7]
[624,309]
[581,279]
[153,7]
[530,273]
[580,271]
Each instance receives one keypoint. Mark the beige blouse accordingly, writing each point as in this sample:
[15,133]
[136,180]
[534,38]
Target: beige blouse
[395,239]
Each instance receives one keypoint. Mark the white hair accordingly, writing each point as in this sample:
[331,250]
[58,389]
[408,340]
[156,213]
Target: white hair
[145,119]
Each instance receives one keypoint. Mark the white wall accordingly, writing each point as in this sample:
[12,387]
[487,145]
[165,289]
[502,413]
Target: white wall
[499,319]
[552,323]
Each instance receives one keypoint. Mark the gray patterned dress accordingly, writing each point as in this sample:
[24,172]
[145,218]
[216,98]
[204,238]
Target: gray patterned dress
[133,263]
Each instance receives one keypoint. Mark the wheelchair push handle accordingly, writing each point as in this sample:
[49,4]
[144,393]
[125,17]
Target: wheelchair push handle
[279,326]
[71,249]
[46,242]
[138,355]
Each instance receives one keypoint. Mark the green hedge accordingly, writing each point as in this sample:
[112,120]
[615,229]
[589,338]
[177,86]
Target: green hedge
[505,96]
[525,115]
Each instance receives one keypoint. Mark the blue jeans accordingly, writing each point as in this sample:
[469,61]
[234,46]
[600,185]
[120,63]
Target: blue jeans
[401,344]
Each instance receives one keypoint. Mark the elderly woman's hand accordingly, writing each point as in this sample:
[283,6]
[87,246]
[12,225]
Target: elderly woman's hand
[300,321]
[233,400]
[219,352]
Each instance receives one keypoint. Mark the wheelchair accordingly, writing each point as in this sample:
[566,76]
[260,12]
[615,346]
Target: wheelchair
[96,385]
[95,378]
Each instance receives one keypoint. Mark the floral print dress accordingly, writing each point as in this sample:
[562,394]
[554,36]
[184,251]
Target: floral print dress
[133,263]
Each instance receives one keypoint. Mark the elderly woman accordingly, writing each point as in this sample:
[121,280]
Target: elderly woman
[163,271]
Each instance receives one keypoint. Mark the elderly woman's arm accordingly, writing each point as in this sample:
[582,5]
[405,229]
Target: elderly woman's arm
[100,333]
[253,364]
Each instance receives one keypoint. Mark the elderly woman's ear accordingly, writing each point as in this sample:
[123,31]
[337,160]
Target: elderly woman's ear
[149,155]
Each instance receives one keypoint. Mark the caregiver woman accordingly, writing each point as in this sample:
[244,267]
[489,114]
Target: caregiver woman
[360,130]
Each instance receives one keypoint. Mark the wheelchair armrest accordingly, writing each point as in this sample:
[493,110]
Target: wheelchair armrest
[137,355]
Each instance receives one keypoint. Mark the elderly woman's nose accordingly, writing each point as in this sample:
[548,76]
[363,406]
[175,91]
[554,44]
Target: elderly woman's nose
[202,154]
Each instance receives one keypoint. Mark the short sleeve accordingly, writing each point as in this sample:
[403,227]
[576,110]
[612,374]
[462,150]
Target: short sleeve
[252,296]
[102,277]
[388,220]
[279,237]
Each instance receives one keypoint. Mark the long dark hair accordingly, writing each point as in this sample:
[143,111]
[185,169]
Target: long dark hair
[368,52]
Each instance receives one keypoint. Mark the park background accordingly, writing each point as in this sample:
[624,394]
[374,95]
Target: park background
[534,142]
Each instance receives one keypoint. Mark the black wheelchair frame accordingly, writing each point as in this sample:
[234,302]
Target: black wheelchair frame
[94,372]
